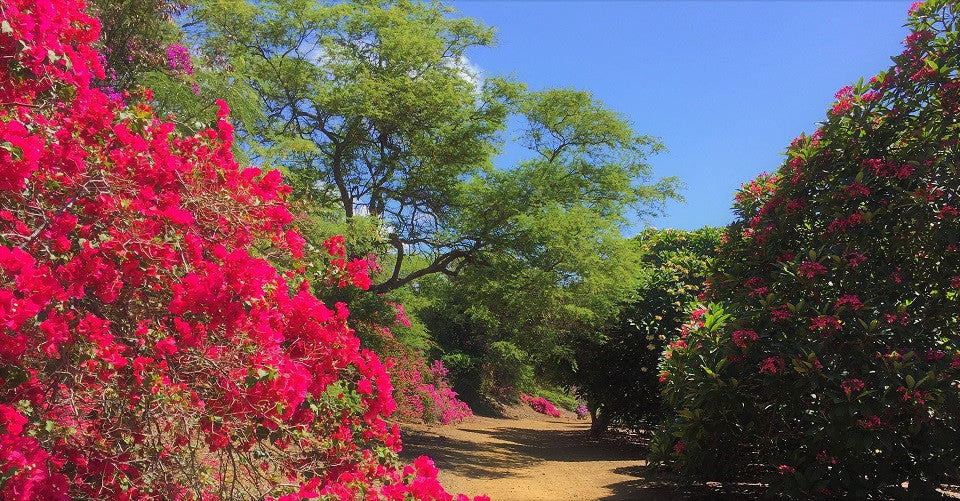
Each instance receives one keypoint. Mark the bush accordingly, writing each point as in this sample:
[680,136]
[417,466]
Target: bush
[559,398]
[540,404]
[617,374]
[423,393]
[830,354]
[150,347]
[508,366]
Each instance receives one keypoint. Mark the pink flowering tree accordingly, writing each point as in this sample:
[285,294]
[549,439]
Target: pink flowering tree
[149,346]
[830,355]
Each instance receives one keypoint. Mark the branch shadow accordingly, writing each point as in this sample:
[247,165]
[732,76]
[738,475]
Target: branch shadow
[651,484]
[465,458]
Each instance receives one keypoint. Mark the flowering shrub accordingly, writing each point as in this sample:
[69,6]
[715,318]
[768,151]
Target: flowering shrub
[582,411]
[424,394]
[830,354]
[149,348]
[540,404]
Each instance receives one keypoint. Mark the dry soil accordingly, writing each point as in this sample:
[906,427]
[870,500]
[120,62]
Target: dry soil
[531,457]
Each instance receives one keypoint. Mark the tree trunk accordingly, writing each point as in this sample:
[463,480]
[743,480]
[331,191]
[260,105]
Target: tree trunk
[599,422]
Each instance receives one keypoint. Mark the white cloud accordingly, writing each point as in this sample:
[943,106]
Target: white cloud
[468,71]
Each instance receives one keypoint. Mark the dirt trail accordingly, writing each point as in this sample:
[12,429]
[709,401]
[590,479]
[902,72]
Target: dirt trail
[535,458]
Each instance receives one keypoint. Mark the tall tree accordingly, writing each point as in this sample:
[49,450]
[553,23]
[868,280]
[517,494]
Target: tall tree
[374,108]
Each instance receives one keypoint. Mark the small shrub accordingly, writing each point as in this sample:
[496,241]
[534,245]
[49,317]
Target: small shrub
[423,393]
[540,404]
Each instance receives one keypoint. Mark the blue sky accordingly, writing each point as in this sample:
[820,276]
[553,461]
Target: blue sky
[725,85]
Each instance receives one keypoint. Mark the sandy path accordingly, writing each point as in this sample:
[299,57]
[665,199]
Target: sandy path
[533,458]
[536,458]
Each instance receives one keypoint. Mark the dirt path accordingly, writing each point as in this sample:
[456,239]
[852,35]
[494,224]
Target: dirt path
[535,458]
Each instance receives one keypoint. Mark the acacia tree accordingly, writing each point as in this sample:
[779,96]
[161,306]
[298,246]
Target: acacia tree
[562,265]
[372,107]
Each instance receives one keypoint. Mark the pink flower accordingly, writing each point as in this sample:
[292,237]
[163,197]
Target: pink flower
[851,300]
[825,324]
[870,422]
[741,337]
[825,457]
[851,385]
[771,365]
[811,269]
[855,258]
[780,313]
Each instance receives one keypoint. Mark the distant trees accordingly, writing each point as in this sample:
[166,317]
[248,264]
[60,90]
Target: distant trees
[617,373]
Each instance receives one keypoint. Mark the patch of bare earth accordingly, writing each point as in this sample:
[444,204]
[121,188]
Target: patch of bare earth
[532,457]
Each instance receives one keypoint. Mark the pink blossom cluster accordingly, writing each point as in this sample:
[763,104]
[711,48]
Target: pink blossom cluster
[540,404]
[424,394]
[150,347]
[178,57]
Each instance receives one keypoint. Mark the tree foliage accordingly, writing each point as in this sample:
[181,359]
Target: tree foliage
[830,356]
[617,373]
[373,108]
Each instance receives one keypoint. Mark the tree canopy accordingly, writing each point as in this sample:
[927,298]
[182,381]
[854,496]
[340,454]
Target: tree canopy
[373,108]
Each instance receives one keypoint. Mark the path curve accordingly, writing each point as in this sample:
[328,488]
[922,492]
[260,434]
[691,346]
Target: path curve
[535,459]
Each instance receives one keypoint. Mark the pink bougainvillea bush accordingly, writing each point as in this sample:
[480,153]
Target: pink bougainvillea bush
[423,392]
[830,355]
[148,347]
[540,404]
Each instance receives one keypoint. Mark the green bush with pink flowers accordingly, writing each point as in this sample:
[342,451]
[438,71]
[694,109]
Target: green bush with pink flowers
[827,362]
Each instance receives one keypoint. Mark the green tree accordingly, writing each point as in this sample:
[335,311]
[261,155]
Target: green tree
[373,108]
[617,373]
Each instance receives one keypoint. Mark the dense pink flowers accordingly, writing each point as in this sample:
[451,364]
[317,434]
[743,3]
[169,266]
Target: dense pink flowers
[780,313]
[851,385]
[811,269]
[851,301]
[786,469]
[859,332]
[825,324]
[178,57]
[771,365]
[424,394]
[742,337]
[150,346]
[540,404]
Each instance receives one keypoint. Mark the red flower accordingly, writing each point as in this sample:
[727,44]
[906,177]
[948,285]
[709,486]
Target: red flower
[741,337]
[851,300]
[851,385]
[771,365]
[811,269]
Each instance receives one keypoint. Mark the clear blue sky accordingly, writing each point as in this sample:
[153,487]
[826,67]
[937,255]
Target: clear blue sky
[725,85]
